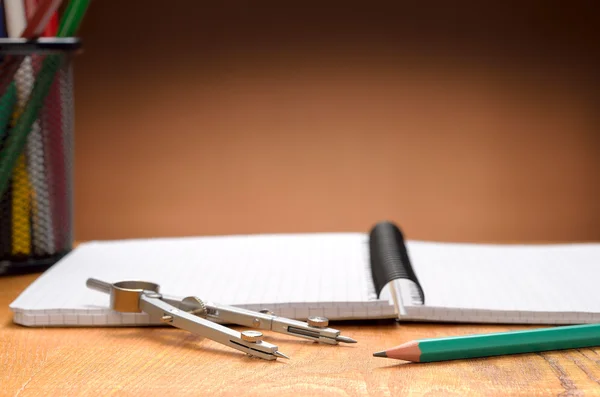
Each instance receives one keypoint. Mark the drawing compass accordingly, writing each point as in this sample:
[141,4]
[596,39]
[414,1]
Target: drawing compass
[207,319]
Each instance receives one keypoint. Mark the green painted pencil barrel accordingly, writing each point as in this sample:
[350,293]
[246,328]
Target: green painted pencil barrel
[36,153]
[538,340]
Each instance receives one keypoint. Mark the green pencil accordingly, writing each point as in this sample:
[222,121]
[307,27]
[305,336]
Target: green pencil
[497,344]
[7,104]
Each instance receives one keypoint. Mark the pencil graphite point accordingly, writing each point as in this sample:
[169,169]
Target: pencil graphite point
[380,354]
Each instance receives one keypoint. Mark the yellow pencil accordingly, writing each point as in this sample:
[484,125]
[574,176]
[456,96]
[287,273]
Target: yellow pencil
[16,22]
[21,202]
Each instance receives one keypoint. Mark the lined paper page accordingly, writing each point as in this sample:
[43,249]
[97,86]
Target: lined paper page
[541,283]
[292,275]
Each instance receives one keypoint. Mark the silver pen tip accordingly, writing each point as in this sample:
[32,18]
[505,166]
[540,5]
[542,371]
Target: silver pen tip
[344,339]
[280,354]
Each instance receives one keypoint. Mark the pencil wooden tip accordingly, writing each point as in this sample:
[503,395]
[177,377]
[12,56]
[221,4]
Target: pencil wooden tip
[409,351]
[380,354]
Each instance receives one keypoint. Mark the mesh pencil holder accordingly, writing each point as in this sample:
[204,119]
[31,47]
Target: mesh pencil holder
[36,153]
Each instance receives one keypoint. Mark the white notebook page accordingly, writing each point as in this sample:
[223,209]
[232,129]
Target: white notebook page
[513,283]
[295,276]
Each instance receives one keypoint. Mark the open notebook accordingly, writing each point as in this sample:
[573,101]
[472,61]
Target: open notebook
[337,275]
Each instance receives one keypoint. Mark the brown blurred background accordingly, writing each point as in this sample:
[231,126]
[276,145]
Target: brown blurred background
[458,121]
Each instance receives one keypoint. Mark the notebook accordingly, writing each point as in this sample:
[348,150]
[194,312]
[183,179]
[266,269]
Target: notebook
[342,276]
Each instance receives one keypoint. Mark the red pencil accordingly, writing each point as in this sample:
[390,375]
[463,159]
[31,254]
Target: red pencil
[40,18]
[52,26]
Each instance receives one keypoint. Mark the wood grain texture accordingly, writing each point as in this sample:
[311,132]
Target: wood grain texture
[159,361]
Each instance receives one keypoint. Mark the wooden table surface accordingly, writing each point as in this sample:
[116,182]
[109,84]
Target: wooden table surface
[160,360]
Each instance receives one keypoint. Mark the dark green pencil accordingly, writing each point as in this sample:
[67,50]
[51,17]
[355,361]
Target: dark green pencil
[497,344]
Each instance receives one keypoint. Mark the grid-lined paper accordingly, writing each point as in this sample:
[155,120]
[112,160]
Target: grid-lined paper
[542,284]
[295,276]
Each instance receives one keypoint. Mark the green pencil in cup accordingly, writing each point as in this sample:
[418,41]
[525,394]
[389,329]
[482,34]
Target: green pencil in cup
[7,104]
[497,344]
[15,142]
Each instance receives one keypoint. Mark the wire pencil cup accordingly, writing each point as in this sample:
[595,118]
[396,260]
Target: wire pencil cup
[36,153]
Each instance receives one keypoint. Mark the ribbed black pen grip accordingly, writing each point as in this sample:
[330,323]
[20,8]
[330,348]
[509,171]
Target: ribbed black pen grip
[389,258]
